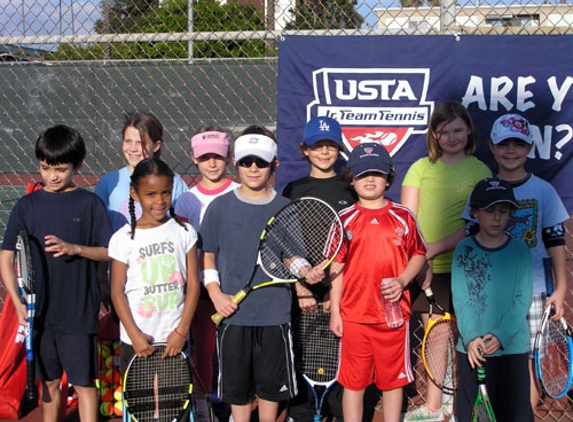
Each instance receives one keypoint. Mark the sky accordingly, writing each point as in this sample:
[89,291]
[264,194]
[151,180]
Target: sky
[48,17]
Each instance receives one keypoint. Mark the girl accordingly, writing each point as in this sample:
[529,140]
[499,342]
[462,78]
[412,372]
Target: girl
[210,153]
[142,136]
[436,189]
[154,284]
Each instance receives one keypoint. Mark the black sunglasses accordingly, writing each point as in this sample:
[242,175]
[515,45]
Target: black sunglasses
[248,162]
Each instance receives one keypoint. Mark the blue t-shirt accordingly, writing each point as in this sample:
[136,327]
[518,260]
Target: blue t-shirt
[68,296]
[231,229]
[491,290]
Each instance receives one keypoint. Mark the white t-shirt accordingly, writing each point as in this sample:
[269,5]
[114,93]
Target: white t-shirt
[156,275]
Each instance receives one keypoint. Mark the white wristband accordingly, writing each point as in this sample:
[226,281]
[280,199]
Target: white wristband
[210,276]
[296,265]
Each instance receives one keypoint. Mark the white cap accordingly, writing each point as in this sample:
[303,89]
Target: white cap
[254,144]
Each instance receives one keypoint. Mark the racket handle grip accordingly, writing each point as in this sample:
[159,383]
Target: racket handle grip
[238,298]
[428,292]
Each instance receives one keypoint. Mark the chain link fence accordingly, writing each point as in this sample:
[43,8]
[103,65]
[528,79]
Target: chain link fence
[88,63]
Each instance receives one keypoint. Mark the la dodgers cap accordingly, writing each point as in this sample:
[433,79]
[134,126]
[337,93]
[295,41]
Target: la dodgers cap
[491,191]
[210,142]
[254,144]
[511,126]
[322,129]
[369,157]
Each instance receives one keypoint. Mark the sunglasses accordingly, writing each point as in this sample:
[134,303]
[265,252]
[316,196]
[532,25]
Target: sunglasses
[247,162]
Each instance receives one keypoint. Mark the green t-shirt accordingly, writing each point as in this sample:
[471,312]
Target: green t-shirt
[444,191]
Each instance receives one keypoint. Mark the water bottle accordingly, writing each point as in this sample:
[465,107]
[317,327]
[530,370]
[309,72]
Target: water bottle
[392,310]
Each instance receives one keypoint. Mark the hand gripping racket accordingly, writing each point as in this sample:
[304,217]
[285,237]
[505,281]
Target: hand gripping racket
[482,410]
[305,232]
[553,347]
[316,350]
[157,389]
[27,288]
[439,347]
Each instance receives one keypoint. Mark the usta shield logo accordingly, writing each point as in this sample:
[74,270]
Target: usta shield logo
[385,106]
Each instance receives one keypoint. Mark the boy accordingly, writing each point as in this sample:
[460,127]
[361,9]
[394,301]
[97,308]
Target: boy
[210,154]
[254,346]
[69,231]
[538,221]
[491,289]
[321,146]
[382,241]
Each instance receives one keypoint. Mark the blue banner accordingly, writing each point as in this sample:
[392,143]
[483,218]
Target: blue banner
[384,89]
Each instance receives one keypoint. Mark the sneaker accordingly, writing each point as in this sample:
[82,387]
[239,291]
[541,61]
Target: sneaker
[202,413]
[423,414]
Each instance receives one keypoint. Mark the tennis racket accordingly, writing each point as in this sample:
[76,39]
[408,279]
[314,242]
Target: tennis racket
[482,410]
[27,289]
[553,347]
[439,346]
[316,350]
[305,232]
[157,389]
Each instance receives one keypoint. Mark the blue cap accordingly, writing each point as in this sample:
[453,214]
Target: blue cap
[322,129]
[369,157]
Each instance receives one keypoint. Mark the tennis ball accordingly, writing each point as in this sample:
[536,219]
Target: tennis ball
[106,409]
[104,350]
[107,376]
[117,393]
[118,408]
[109,362]
[106,395]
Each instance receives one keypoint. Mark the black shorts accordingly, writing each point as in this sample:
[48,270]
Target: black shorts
[255,361]
[74,353]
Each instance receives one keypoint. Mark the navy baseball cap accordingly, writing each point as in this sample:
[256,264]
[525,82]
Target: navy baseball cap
[369,157]
[491,191]
[322,129]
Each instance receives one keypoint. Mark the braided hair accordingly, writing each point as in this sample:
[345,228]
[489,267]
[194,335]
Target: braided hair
[148,167]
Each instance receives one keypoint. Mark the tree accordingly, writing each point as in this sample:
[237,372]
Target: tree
[170,16]
[325,14]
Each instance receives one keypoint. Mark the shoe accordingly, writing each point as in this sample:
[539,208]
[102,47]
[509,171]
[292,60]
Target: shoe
[423,414]
[202,411]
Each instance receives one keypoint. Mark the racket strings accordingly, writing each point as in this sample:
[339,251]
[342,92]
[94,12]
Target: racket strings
[316,347]
[555,360]
[308,229]
[173,381]
[439,354]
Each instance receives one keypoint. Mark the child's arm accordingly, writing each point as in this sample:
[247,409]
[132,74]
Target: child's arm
[222,301]
[60,248]
[140,341]
[558,258]
[176,340]
[336,325]
[8,275]
[446,244]
[410,197]
[393,290]
[306,300]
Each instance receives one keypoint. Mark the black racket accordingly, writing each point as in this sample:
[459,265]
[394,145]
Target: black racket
[27,289]
[157,389]
[316,351]
[553,347]
[439,346]
[305,232]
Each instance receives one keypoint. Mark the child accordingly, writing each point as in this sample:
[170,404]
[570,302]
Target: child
[538,221]
[321,146]
[491,288]
[210,153]
[382,241]
[69,231]
[254,344]
[142,137]
[436,189]
[154,286]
